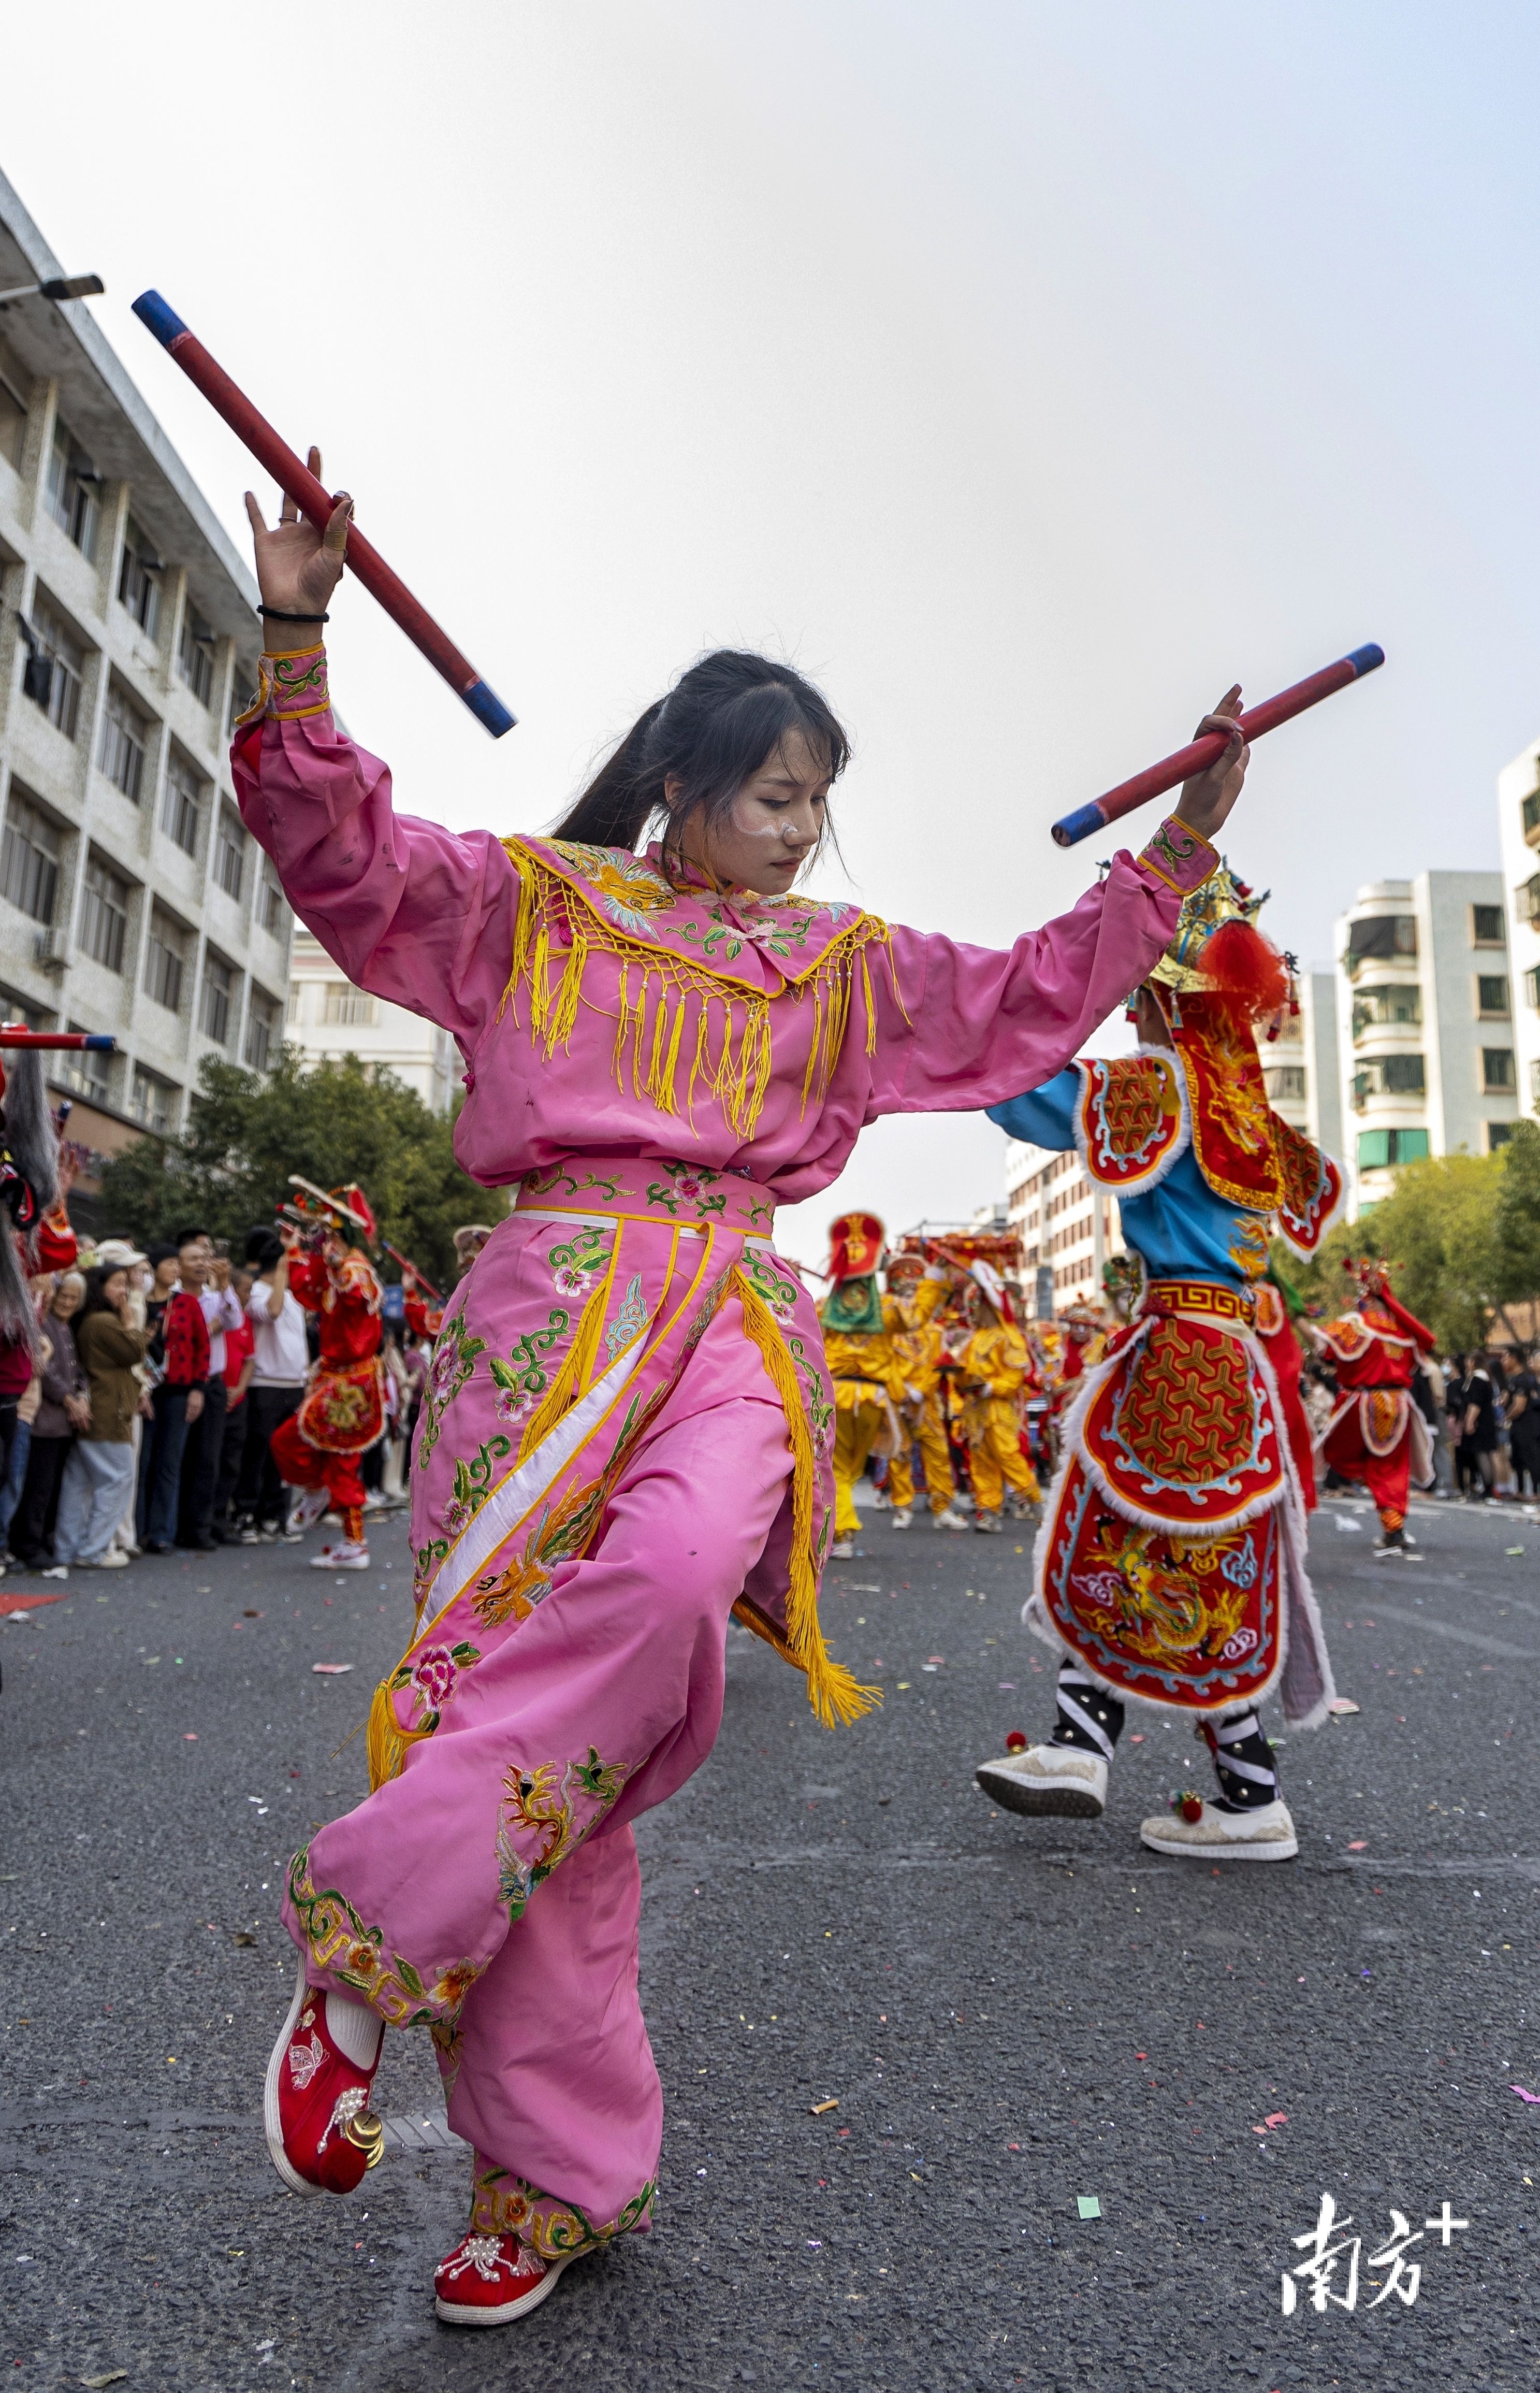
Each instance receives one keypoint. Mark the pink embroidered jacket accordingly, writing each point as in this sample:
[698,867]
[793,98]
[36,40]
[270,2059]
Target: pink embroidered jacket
[601,1010]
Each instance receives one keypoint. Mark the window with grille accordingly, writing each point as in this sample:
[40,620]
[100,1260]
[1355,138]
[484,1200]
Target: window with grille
[182,806]
[243,690]
[69,489]
[1531,816]
[104,915]
[230,860]
[153,1100]
[1492,993]
[261,1031]
[1287,1080]
[1499,1134]
[13,422]
[1498,1076]
[348,1006]
[124,738]
[214,1015]
[29,857]
[85,1070]
[1486,926]
[1379,935]
[139,579]
[54,667]
[1378,1149]
[1389,1076]
[1386,1001]
[195,654]
[270,902]
[165,961]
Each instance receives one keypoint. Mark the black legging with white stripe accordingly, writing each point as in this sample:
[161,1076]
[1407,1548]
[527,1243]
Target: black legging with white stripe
[1091,1719]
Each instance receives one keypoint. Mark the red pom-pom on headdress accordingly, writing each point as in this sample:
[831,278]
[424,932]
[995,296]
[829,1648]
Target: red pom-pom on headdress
[1245,972]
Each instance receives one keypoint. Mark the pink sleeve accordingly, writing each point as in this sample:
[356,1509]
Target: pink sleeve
[422,915]
[985,1024]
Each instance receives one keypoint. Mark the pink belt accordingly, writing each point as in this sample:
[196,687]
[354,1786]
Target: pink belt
[615,1188]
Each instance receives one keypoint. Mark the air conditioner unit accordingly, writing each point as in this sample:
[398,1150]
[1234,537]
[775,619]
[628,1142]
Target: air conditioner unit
[51,950]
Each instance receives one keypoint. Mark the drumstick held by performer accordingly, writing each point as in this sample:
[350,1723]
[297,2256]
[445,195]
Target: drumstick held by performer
[628,1426]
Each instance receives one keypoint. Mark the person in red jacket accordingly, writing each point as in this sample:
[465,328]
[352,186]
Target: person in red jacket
[1376,1434]
[318,1449]
[35,1237]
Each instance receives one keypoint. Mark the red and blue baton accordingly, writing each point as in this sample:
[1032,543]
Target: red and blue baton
[298,483]
[1199,754]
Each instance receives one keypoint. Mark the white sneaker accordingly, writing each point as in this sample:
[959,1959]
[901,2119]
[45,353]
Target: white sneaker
[842,1550]
[110,1560]
[346,1556]
[989,1525]
[881,1500]
[1063,1781]
[903,1520]
[306,1509]
[948,1520]
[58,1570]
[1266,1835]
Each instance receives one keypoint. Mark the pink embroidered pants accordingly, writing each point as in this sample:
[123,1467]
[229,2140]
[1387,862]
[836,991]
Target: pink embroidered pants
[550,2071]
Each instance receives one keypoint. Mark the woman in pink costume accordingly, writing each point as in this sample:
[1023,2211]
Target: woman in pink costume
[627,1433]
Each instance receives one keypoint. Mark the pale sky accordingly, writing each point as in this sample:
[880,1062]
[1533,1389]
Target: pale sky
[1024,374]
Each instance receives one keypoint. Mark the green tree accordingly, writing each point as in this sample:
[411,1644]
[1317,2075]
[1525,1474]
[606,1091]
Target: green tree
[1440,1228]
[331,1122]
[1518,1217]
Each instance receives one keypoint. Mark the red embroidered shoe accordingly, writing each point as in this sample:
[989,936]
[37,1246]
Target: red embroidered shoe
[322,2132]
[491,2279]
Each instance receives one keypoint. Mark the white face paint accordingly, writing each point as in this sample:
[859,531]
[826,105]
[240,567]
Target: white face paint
[770,827]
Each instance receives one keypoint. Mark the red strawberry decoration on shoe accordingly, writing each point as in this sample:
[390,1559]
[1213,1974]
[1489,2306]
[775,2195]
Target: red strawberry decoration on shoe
[321,2132]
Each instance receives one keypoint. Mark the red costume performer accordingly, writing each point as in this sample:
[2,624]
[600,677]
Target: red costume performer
[1280,1343]
[1377,1433]
[342,1414]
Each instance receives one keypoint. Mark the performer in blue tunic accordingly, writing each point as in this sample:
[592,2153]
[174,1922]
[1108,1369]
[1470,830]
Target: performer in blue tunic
[1171,1566]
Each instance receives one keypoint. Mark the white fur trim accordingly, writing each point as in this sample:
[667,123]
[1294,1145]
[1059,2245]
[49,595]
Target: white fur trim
[1179,1147]
[1332,1213]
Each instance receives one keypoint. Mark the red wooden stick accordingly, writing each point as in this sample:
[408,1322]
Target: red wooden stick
[13,1034]
[298,483]
[1199,753]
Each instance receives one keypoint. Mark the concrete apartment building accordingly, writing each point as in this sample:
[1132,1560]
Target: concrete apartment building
[1301,1067]
[328,1018]
[1425,1025]
[1519,832]
[131,898]
[1067,1229]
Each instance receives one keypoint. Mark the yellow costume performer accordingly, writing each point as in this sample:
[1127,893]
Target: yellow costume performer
[996,1369]
[915,1295]
[867,1375]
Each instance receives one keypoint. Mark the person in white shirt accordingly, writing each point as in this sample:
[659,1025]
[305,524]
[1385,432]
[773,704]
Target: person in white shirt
[207,1271]
[280,1361]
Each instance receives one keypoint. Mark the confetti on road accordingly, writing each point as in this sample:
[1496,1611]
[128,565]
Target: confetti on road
[1513,1550]
[189,1736]
[114,2376]
[330,1670]
[1088,2205]
[1345,1522]
[1359,1845]
[1523,2093]
[1343,1706]
[818,2109]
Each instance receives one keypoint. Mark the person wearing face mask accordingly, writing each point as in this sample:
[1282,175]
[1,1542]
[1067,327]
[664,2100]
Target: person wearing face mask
[629,1425]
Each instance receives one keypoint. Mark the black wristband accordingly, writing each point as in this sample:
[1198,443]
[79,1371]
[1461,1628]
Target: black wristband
[277,615]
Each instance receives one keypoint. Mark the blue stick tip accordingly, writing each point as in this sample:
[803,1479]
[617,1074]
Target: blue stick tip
[1366,659]
[1074,827]
[487,708]
[164,321]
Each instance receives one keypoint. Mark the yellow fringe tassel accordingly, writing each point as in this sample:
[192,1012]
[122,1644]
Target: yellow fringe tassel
[555,919]
[571,1380]
[831,1689]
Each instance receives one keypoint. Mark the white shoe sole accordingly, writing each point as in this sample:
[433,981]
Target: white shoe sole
[272,2124]
[1067,1798]
[324,1560]
[466,2314]
[1282,1848]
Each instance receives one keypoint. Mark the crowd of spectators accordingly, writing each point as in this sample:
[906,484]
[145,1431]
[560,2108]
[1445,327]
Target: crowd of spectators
[1482,1416]
[143,1420]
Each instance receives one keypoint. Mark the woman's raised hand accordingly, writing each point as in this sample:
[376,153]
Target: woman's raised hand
[297,567]
[1207,799]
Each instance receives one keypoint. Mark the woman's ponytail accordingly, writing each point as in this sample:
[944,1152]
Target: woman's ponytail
[621,798]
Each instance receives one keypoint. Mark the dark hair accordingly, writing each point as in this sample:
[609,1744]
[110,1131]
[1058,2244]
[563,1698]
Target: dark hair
[96,1280]
[185,1237]
[712,732]
[263,1247]
[160,1253]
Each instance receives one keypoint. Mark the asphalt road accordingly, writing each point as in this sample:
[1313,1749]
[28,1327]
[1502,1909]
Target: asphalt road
[1010,2014]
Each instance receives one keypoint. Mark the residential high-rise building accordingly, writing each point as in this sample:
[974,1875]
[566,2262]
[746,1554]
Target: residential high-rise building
[131,899]
[328,1018]
[1301,1067]
[1425,1024]
[1519,832]
[1067,1229]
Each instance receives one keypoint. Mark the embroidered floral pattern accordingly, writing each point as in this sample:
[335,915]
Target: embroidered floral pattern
[473,1484]
[771,1282]
[545,1814]
[522,1380]
[337,1941]
[631,1320]
[432,1675]
[504,2205]
[454,1358]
